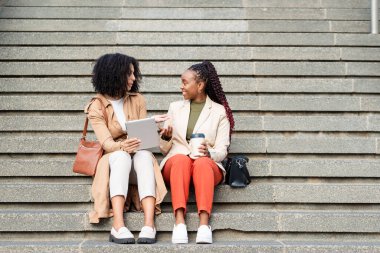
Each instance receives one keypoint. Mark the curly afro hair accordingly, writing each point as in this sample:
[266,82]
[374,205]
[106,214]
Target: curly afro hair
[206,72]
[111,72]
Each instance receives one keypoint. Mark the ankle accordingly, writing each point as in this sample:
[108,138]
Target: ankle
[203,218]
[117,226]
[149,225]
[179,220]
[179,216]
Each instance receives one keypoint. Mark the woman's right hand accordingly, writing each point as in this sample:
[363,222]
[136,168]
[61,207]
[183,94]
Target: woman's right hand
[166,133]
[130,145]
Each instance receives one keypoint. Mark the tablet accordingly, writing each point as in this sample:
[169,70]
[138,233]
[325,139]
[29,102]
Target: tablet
[146,130]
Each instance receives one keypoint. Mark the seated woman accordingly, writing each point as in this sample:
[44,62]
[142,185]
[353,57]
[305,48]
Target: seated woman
[204,110]
[116,80]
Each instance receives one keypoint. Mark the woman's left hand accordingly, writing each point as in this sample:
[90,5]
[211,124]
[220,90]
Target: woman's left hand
[204,150]
[160,118]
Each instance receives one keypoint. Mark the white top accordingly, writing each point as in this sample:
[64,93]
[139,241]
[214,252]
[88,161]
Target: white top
[118,109]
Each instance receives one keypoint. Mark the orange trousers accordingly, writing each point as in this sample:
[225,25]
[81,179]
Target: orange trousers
[178,172]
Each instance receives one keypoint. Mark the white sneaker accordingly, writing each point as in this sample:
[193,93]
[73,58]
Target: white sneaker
[204,234]
[147,235]
[123,236]
[180,234]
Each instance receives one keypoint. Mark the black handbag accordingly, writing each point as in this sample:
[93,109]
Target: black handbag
[237,175]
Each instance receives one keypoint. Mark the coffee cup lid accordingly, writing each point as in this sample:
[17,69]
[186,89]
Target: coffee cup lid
[198,135]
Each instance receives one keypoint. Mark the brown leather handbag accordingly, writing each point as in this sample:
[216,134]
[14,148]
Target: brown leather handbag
[89,152]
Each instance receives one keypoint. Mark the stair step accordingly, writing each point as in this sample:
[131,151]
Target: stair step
[195,3]
[244,102]
[254,122]
[234,68]
[271,221]
[219,236]
[47,166]
[258,246]
[218,246]
[170,84]
[183,13]
[39,25]
[256,192]
[195,53]
[189,38]
[16,143]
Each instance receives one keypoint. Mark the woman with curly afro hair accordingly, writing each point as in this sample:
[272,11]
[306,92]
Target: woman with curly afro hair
[204,110]
[116,80]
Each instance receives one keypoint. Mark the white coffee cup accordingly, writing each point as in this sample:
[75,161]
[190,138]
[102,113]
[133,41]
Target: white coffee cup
[196,141]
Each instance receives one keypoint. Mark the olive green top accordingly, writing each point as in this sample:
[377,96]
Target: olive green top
[195,111]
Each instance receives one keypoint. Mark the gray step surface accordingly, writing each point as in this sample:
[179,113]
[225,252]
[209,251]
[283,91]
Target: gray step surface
[195,3]
[195,53]
[257,192]
[184,13]
[218,246]
[253,122]
[218,236]
[299,143]
[189,38]
[39,25]
[161,68]
[224,236]
[243,102]
[171,84]
[269,221]
[316,167]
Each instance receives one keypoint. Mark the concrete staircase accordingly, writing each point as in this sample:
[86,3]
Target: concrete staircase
[303,79]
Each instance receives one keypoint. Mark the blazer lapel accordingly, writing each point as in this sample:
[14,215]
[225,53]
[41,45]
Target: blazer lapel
[205,113]
[183,119]
[112,119]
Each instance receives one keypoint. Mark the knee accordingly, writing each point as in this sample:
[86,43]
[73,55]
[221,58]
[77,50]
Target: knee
[143,154]
[143,161]
[180,161]
[203,163]
[180,167]
[119,157]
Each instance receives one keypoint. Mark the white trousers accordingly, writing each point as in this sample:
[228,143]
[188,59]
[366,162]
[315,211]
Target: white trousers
[126,170]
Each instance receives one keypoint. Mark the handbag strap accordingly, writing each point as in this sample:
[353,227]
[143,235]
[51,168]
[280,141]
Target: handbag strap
[84,134]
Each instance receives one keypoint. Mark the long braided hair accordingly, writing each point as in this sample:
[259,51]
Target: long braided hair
[206,72]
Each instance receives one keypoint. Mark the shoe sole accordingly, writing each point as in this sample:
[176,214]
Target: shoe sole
[180,241]
[203,241]
[144,240]
[121,241]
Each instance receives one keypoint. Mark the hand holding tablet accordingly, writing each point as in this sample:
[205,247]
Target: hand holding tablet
[145,130]
[130,145]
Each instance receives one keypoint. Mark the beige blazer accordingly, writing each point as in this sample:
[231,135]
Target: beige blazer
[109,133]
[212,122]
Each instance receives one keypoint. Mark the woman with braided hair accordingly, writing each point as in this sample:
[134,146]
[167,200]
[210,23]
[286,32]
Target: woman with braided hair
[204,110]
